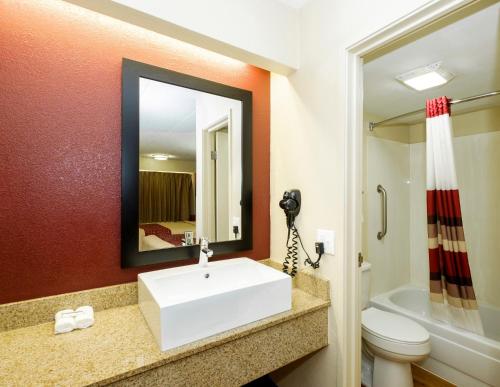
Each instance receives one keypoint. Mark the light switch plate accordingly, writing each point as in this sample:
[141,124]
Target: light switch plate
[328,239]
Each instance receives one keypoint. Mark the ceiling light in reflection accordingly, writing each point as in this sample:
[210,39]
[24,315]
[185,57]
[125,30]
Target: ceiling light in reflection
[160,157]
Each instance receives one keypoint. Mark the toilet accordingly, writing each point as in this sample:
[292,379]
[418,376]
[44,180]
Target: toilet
[392,340]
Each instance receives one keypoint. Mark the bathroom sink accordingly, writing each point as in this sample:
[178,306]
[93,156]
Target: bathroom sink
[189,303]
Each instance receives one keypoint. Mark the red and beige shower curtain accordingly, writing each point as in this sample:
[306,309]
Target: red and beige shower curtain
[451,291]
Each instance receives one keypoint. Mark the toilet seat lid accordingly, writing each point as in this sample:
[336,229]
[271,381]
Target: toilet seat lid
[393,327]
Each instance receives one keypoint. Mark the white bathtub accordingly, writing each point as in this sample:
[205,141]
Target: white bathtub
[463,358]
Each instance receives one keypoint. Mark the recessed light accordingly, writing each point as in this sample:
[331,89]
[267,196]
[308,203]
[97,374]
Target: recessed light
[160,157]
[426,77]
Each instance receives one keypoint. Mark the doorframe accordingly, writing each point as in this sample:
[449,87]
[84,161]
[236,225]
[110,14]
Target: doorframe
[224,121]
[421,17]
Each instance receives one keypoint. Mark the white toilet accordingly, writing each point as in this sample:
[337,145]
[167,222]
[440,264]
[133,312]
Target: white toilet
[394,341]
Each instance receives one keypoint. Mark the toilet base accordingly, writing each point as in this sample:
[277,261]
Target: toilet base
[391,373]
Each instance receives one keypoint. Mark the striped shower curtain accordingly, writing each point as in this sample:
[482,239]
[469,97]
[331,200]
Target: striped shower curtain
[451,291]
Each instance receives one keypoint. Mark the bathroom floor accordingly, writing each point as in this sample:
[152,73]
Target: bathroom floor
[424,378]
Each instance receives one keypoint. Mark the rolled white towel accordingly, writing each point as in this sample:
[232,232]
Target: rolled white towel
[65,321]
[64,313]
[84,317]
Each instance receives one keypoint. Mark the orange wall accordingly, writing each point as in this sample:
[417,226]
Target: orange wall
[60,74]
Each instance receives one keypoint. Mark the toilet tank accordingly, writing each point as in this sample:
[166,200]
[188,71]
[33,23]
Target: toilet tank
[365,284]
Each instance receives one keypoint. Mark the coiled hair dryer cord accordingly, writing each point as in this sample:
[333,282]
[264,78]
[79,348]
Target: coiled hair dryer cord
[292,256]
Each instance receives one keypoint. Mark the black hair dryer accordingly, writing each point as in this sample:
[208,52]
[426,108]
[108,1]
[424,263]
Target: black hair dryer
[291,205]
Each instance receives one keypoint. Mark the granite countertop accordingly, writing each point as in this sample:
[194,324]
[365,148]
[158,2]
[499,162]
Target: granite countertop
[119,345]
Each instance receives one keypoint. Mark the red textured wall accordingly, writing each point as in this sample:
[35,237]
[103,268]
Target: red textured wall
[60,75]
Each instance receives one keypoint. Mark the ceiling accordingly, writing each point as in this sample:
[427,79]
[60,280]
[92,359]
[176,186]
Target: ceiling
[167,120]
[297,4]
[469,48]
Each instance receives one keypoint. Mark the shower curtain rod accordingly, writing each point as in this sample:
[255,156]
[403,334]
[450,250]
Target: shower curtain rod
[373,125]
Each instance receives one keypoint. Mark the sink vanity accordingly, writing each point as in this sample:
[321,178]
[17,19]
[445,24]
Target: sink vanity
[121,350]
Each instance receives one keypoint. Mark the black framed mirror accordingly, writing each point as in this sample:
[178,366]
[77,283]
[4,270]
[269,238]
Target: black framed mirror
[186,165]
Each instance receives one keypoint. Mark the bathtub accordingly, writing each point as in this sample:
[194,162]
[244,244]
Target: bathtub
[459,356]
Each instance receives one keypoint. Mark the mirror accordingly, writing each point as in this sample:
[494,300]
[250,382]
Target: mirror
[186,165]
[189,166]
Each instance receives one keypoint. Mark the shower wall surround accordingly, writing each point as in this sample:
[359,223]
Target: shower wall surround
[401,167]
[389,165]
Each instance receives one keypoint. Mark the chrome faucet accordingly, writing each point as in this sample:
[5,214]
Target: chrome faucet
[205,252]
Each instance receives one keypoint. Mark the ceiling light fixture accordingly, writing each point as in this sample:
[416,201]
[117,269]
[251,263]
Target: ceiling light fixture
[426,77]
[160,157]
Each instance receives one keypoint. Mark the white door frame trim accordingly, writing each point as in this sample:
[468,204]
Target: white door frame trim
[206,148]
[350,365]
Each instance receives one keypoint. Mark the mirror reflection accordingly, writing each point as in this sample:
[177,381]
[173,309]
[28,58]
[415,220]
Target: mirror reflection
[190,171]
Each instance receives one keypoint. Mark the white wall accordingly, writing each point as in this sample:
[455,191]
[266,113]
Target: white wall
[308,121]
[264,33]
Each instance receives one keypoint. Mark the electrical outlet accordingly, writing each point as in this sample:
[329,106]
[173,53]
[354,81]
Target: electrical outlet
[328,239]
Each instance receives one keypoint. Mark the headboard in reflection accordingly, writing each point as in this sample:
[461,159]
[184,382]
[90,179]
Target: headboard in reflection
[186,165]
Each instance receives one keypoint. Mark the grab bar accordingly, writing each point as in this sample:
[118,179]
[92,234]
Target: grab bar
[381,190]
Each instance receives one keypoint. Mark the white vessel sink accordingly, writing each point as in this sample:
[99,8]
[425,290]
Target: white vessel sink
[188,303]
